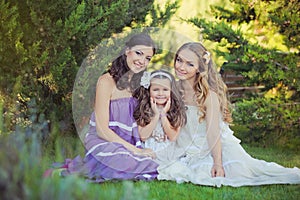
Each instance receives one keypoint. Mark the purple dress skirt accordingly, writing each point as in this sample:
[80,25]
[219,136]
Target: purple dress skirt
[109,160]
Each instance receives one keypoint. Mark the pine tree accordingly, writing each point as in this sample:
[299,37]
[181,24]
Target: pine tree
[43,44]
[253,52]
[260,40]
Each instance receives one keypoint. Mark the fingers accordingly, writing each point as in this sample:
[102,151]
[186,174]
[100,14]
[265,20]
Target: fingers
[153,105]
[149,153]
[146,152]
[217,172]
[168,105]
[151,101]
[213,173]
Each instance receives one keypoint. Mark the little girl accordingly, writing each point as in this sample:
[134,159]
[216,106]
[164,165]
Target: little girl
[160,112]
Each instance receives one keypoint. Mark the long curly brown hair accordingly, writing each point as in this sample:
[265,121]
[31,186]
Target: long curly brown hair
[143,112]
[119,68]
[207,79]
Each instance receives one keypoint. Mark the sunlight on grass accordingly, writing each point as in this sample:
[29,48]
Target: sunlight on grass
[23,177]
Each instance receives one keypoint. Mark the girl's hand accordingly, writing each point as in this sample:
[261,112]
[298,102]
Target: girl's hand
[217,170]
[167,106]
[154,106]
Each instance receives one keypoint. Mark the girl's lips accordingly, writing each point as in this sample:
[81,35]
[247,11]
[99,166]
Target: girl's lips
[180,73]
[160,97]
[139,66]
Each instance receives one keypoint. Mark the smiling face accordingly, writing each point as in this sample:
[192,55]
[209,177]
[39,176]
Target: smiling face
[160,90]
[186,65]
[138,57]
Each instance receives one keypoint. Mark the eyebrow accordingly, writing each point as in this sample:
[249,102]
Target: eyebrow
[143,52]
[185,59]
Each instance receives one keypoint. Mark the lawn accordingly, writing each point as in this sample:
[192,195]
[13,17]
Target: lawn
[22,166]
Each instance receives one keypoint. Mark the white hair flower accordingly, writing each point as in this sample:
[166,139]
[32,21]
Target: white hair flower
[147,76]
[206,57]
[145,80]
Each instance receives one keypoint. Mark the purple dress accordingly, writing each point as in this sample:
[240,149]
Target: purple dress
[109,160]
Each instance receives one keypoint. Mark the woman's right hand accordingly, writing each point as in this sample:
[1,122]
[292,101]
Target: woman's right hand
[217,170]
[145,152]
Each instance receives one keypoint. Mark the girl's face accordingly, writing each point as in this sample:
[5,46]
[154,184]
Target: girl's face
[160,90]
[186,65]
[138,57]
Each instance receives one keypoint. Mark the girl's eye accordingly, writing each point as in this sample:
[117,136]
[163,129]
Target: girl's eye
[139,53]
[166,89]
[190,64]
[178,59]
[148,58]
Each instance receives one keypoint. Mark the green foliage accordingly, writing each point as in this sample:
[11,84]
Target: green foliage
[259,40]
[160,16]
[238,31]
[259,65]
[284,14]
[270,123]
[44,43]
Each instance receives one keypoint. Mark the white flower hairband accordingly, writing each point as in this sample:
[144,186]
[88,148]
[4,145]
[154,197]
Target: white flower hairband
[147,76]
[206,57]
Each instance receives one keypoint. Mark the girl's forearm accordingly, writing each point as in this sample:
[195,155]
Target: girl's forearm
[168,129]
[146,131]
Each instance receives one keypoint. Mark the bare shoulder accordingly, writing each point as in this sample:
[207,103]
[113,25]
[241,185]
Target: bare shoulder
[212,98]
[106,80]
[212,94]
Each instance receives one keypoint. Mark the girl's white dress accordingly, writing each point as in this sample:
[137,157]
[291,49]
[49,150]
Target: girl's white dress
[158,140]
[189,159]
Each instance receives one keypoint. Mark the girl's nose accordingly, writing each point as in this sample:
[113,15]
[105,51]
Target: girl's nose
[142,60]
[181,65]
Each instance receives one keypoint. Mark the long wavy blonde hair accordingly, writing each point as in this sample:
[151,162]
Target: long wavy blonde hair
[207,78]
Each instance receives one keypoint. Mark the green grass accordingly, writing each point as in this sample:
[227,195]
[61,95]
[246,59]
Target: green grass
[22,175]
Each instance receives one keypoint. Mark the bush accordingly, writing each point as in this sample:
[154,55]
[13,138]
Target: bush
[268,122]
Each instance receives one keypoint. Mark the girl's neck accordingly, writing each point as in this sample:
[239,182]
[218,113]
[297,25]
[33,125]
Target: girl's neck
[130,75]
[188,87]
[189,93]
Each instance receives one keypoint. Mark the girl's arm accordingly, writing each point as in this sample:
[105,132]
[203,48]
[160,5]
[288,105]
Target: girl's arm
[146,131]
[168,128]
[212,118]
[104,89]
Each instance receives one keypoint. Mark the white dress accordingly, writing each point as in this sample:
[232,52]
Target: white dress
[189,160]
[158,140]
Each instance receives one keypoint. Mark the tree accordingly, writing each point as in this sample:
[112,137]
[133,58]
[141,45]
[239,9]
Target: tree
[246,32]
[260,40]
[45,42]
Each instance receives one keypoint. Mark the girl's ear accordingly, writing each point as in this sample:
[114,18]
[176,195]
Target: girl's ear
[127,51]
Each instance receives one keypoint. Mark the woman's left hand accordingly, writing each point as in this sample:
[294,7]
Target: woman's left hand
[145,152]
